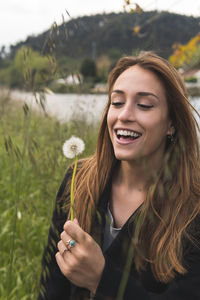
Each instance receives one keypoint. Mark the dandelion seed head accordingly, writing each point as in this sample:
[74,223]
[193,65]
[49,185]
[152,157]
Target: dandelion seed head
[73,147]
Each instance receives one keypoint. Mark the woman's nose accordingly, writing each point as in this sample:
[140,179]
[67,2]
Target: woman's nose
[127,113]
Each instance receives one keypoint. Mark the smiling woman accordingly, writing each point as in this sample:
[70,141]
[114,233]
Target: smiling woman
[137,198]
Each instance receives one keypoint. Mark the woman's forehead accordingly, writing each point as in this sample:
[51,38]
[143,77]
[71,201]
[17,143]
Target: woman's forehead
[138,79]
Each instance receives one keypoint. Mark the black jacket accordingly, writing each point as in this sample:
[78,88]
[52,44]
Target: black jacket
[119,277]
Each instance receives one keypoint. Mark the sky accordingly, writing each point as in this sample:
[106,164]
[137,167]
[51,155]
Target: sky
[22,18]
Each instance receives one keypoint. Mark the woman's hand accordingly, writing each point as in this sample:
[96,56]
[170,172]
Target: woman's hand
[83,263]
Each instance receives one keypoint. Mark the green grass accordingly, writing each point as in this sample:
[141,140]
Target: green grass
[31,169]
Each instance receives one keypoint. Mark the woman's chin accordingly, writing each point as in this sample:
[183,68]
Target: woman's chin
[127,157]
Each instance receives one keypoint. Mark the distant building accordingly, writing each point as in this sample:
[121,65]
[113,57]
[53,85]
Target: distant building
[72,79]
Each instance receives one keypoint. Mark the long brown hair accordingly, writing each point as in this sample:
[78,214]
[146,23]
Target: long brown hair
[173,199]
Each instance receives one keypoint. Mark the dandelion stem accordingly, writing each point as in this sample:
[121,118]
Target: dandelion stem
[72,189]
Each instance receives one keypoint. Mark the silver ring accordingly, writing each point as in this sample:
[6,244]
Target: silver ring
[70,244]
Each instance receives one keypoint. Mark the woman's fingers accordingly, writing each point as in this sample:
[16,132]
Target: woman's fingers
[62,264]
[62,247]
[76,232]
[67,240]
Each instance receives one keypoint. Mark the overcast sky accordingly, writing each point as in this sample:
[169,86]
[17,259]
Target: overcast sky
[21,18]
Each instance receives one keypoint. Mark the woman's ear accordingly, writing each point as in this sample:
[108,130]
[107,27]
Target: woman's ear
[171,130]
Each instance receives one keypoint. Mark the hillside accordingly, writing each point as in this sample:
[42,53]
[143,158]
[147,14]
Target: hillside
[97,35]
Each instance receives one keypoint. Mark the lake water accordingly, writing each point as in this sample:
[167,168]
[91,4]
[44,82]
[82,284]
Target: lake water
[67,106]
[74,106]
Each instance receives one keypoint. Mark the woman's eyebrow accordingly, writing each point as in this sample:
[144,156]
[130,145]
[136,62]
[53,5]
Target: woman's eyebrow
[138,94]
[147,94]
[118,92]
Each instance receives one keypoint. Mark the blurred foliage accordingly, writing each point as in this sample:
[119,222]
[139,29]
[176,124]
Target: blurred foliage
[188,54]
[62,88]
[88,68]
[191,79]
[28,70]
[132,7]
[68,65]
[103,67]
[31,169]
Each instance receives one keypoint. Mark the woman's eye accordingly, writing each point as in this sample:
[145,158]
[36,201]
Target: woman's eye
[145,106]
[116,103]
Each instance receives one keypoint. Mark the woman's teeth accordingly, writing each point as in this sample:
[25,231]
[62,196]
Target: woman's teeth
[127,133]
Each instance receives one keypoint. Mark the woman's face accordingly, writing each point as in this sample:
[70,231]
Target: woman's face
[137,118]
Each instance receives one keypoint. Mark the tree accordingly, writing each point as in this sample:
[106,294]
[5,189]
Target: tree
[188,54]
[32,68]
[29,69]
[88,68]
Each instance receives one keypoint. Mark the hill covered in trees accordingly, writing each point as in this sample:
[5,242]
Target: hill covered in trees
[91,45]
[98,35]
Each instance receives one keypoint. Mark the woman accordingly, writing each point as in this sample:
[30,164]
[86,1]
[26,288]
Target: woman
[137,199]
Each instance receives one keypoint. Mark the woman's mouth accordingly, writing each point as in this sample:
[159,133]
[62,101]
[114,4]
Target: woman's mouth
[127,135]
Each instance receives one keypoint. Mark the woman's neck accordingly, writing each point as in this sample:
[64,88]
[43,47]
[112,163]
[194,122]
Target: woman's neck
[135,175]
